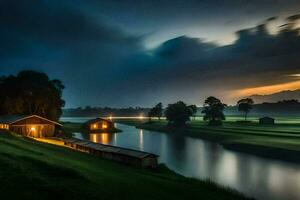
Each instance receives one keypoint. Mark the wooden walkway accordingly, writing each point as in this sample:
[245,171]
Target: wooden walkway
[123,155]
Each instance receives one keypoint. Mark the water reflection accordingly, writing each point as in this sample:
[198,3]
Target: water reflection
[254,176]
[103,138]
[142,139]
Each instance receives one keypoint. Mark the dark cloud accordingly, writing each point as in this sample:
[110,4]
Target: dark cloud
[193,68]
[101,64]
[59,38]
[50,25]
[293,17]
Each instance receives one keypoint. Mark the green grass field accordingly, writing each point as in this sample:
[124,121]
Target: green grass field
[278,140]
[33,170]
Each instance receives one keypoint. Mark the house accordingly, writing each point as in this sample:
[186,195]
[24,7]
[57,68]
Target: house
[100,125]
[267,120]
[29,125]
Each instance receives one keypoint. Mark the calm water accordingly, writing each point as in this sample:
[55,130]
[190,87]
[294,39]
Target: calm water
[257,177]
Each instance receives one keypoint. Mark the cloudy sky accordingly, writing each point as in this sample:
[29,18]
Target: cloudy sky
[137,53]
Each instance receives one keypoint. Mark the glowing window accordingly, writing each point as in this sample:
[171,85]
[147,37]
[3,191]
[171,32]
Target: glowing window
[104,126]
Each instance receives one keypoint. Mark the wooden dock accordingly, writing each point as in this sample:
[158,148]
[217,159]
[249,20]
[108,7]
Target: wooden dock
[123,155]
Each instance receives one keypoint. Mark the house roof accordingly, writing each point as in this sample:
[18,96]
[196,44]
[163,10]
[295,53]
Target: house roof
[110,148]
[10,119]
[97,120]
[266,118]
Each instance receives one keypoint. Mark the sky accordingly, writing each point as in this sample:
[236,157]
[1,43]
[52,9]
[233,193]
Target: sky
[138,53]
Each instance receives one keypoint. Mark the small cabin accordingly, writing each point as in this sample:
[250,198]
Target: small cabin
[100,125]
[267,120]
[29,125]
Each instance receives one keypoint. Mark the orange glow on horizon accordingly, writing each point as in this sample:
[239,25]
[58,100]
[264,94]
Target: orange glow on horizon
[266,90]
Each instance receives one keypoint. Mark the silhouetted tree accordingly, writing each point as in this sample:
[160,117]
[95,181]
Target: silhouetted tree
[245,105]
[31,92]
[156,111]
[178,113]
[213,111]
[151,114]
[193,109]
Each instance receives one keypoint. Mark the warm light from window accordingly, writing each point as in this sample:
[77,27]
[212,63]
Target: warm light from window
[104,126]
[32,129]
[95,126]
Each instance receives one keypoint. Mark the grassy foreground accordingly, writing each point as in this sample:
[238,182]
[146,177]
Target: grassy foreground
[33,170]
[280,141]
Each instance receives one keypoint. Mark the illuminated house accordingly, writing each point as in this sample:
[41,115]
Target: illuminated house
[100,125]
[29,125]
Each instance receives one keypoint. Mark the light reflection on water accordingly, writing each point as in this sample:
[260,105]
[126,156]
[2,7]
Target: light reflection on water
[103,138]
[254,176]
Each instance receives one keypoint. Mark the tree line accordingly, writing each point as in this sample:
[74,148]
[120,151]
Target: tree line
[31,92]
[177,114]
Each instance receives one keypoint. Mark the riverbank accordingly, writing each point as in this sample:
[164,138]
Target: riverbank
[281,141]
[34,170]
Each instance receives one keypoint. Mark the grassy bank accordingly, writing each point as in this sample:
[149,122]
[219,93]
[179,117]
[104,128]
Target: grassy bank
[33,170]
[280,141]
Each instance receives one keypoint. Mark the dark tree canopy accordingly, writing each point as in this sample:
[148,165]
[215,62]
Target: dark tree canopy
[178,113]
[151,114]
[156,111]
[193,109]
[245,105]
[213,111]
[31,92]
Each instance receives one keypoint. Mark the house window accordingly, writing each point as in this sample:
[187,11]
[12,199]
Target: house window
[104,125]
[94,126]
[3,126]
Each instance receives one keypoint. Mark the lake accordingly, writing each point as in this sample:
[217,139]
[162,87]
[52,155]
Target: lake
[192,157]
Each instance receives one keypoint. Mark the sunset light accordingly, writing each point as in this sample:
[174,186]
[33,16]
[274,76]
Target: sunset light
[265,90]
[295,75]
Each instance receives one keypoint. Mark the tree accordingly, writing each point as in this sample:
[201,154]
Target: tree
[193,109]
[213,111]
[31,92]
[178,113]
[151,114]
[156,111]
[245,105]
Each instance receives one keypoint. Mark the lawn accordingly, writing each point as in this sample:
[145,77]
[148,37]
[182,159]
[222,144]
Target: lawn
[33,170]
[281,140]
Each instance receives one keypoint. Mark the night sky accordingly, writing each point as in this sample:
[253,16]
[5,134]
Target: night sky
[138,53]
